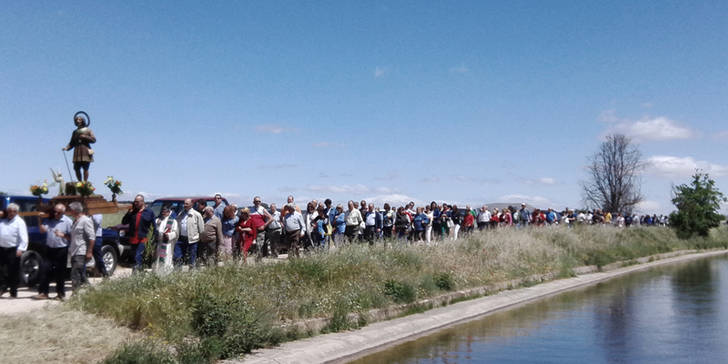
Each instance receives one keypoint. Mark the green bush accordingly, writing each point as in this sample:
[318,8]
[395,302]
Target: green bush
[445,281]
[140,352]
[400,292]
[224,311]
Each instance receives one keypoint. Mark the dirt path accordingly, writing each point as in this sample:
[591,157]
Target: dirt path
[24,303]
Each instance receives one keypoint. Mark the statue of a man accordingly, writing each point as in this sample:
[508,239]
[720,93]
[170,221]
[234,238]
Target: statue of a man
[81,140]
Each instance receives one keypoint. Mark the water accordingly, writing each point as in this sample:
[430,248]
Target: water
[675,314]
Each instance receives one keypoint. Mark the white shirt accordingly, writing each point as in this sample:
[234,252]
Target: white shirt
[484,216]
[14,233]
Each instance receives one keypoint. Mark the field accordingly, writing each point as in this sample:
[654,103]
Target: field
[227,311]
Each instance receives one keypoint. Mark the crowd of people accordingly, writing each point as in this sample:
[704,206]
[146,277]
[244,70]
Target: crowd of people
[68,241]
[201,234]
[221,231]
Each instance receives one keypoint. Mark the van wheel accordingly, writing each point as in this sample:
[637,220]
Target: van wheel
[30,263]
[110,258]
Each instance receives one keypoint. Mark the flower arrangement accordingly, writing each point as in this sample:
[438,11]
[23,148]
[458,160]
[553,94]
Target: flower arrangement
[85,188]
[37,190]
[115,186]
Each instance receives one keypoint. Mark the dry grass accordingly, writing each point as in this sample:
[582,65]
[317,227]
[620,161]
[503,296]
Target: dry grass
[357,278]
[59,334]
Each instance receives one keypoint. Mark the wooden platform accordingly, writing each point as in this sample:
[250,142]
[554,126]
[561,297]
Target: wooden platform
[95,204]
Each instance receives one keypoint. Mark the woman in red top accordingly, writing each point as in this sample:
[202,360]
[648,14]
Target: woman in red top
[468,221]
[507,217]
[495,218]
[247,232]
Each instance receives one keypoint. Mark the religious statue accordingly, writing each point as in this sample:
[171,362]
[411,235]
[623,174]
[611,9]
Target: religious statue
[81,140]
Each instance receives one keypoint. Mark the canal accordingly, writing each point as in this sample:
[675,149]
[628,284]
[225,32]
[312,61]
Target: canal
[673,314]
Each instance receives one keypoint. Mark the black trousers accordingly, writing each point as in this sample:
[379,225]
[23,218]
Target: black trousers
[351,231]
[53,269]
[10,267]
[370,233]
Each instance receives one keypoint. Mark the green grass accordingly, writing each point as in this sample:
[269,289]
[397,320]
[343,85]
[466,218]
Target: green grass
[203,305]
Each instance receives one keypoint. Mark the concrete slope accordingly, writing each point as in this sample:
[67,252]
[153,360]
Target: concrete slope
[340,347]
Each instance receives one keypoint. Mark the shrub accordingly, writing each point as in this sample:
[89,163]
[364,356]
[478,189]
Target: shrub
[444,281]
[400,292]
[140,352]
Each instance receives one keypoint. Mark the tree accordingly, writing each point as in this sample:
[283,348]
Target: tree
[614,175]
[697,206]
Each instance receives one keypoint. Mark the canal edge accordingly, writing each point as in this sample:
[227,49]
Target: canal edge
[350,345]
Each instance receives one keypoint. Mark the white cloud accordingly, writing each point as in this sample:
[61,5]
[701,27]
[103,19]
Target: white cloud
[537,201]
[277,166]
[459,69]
[350,189]
[671,166]
[430,180]
[721,135]
[380,71]
[547,180]
[327,145]
[384,190]
[647,128]
[648,207]
[391,175]
[272,129]
[394,199]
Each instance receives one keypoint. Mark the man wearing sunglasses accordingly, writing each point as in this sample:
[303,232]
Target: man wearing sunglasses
[57,228]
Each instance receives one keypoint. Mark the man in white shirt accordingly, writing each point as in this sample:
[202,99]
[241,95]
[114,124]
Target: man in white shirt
[58,230]
[484,217]
[13,242]
[191,226]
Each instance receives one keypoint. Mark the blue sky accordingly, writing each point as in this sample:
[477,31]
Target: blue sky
[467,101]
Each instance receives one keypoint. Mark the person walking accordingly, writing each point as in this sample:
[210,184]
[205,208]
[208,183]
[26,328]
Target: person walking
[294,225]
[247,232]
[191,226]
[81,244]
[98,245]
[57,228]
[353,222]
[13,243]
[229,222]
[140,222]
[219,206]
[420,224]
[339,225]
[428,229]
[372,224]
[166,231]
[524,216]
[273,232]
[402,224]
[210,238]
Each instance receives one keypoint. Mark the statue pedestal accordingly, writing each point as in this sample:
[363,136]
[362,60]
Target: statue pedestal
[95,204]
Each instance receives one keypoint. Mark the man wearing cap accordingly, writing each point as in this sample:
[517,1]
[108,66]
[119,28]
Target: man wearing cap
[219,207]
[524,216]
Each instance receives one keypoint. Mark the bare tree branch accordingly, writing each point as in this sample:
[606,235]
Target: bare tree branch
[614,175]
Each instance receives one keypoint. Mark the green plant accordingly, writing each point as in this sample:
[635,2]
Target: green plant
[444,281]
[140,352]
[697,207]
[400,292]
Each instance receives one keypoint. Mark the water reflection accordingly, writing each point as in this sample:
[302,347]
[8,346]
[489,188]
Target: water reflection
[668,315]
